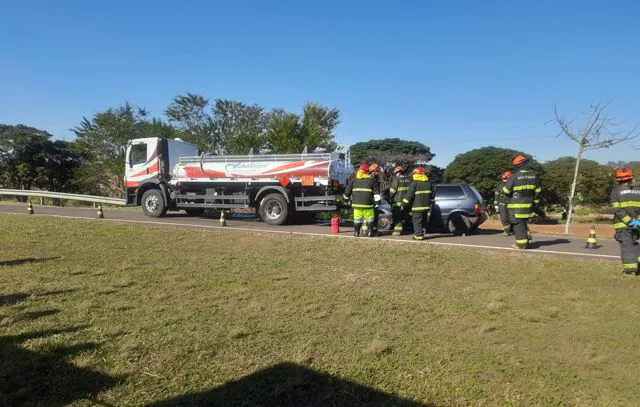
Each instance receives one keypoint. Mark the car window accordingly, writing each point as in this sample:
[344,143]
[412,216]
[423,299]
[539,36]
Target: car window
[450,192]
[477,194]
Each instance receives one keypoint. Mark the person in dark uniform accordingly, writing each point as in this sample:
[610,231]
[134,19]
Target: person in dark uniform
[625,200]
[523,189]
[420,198]
[500,201]
[398,191]
[361,191]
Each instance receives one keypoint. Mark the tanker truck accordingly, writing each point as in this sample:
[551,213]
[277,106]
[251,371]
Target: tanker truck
[168,175]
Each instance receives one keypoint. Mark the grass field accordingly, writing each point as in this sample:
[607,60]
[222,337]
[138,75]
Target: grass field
[118,315]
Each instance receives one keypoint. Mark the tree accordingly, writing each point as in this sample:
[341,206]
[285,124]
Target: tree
[594,182]
[191,114]
[283,132]
[362,151]
[481,168]
[104,139]
[22,155]
[242,127]
[316,129]
[599,131]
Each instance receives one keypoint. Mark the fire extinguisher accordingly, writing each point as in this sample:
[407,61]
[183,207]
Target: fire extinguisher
[335,224]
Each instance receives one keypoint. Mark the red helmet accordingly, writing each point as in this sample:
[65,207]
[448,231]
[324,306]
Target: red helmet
[373,167]
[519,160]
[364,168]
[624,174]
[418,170]
[399,168]
[505,175]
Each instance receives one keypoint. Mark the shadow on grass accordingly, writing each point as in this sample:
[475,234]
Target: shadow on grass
[32,316]
[47,378]
[288,384]
[11,299]
[19,262]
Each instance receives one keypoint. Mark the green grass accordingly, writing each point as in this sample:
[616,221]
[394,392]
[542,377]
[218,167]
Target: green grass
[102,313]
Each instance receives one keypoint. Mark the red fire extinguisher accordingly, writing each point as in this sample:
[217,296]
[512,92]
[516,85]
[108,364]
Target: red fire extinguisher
[335,224]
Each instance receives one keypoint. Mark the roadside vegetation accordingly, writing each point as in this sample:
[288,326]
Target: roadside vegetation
[102,313]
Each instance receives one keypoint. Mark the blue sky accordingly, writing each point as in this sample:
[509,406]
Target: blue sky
[455,75]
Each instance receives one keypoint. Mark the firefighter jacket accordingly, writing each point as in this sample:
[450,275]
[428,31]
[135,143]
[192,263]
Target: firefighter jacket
[625,200]
[399,189]
[499,197]
[523,189]
[420,194]
[361,191]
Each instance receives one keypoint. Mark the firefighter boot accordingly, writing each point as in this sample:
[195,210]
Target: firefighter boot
[372,231]
[356,229]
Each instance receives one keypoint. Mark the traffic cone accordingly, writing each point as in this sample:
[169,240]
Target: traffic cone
[30,209]
[100,213]
[223,221]
[592,241]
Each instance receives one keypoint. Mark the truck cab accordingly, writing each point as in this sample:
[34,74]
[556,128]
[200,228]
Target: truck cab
[148,164]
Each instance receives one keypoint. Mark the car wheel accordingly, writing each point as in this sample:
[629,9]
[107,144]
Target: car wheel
[459,225]
[384,223]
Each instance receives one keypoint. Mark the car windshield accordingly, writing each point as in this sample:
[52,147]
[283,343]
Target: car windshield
[477,194]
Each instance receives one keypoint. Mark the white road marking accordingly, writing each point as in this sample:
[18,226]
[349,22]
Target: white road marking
[284,232]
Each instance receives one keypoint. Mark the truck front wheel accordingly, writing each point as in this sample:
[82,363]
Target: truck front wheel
[153,203]
[274,209]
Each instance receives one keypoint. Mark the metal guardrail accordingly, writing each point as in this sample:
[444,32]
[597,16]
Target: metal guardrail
[62,195]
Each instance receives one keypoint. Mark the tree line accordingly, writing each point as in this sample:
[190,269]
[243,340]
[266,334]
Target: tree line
[94,162]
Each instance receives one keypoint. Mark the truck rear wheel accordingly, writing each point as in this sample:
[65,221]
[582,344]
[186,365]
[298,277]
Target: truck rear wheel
[274,209]
[153,203]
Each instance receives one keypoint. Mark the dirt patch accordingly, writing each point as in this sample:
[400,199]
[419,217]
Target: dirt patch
[577,229]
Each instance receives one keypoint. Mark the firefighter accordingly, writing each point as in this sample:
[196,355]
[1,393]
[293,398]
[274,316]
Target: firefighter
[375,176]
[361,191]
[625,200]
[500,201]
[397,192]
[523,189]
[419,197]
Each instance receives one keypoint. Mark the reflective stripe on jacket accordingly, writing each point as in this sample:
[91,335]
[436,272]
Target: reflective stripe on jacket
[399,188]
[625,200]
[523,190]
[361,190]
[420,194]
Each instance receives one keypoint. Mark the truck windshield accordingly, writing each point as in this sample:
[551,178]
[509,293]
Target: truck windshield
[138,154]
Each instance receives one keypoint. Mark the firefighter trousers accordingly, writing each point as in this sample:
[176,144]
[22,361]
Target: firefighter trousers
[629,248]
[521,230]
[420,220]
[398,214]
[504,218]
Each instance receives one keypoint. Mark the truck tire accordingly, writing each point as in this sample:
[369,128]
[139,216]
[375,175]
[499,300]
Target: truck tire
[274,209]
[153,203]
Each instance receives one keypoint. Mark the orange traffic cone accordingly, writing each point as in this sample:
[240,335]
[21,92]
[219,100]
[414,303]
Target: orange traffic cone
[30,209]
[223,221]
[592,241]
[100,213]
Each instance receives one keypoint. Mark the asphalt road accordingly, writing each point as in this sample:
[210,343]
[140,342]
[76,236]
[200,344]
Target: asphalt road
[485,239]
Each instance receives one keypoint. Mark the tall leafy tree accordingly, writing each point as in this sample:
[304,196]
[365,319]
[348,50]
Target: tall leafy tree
[481,167]
[283,132]
[22,155]
[318,123]
[241,126]
[594,182]
[193,116]
[373,149]
[105,136]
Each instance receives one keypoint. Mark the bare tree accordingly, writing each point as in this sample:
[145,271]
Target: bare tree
[599,131]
